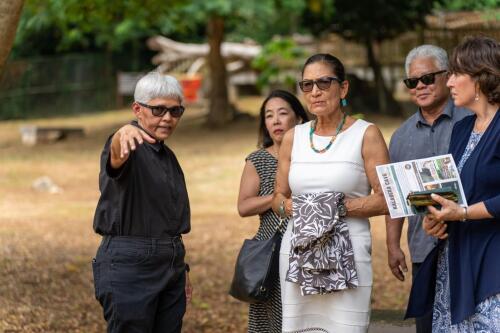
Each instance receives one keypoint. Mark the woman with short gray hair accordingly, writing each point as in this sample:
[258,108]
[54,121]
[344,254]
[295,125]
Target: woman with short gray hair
[140,277]
[156,85]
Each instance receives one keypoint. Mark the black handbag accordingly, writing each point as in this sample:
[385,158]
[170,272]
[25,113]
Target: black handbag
[256,269]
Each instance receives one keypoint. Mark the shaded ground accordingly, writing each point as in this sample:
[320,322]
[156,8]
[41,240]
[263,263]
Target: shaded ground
[390,328]
[47,242]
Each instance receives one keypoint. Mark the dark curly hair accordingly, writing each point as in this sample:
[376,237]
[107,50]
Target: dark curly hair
[479,57]
[297,108]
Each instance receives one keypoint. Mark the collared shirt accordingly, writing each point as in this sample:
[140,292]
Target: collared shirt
[145,197]
[415,139]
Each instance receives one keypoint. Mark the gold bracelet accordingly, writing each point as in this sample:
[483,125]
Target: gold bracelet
[282,210]
[465,214]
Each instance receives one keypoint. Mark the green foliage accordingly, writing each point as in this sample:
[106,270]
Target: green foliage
[257,20]
[62,26]
[468,5]
[267,19]
[278,63]
[490,8]
[377,20]
[75,25]
[318,16]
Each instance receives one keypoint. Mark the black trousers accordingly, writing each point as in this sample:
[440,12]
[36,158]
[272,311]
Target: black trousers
[424,323]
[140,282]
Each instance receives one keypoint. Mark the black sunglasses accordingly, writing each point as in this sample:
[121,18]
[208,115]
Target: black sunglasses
[426,79]
[161,110]
[322,83]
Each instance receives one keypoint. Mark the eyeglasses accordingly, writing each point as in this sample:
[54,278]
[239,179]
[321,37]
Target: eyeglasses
[322,83]
[426,79]
[161,110]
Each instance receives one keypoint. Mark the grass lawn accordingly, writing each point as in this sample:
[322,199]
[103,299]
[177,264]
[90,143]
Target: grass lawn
[47,241]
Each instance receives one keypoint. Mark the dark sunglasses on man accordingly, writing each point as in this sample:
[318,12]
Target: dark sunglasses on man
[322,83]
[426,79]
[161,110]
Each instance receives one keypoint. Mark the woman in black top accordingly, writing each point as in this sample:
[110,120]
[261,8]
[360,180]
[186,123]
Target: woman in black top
[279,112]
[140,276]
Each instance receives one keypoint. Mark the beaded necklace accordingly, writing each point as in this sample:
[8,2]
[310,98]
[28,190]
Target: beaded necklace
[337,131]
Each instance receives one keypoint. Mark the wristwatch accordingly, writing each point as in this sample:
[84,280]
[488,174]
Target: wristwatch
[341,208]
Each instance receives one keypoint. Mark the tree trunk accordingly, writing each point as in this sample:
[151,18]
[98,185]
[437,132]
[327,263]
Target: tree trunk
[10,12]
[385,101]
[421,35]
[219,112]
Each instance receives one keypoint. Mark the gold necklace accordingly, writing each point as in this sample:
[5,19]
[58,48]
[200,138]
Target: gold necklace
[276,151]
[485,126]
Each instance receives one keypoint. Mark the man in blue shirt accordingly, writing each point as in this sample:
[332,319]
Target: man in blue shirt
[426,133]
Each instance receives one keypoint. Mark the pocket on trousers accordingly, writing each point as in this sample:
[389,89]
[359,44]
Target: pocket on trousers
[180,254]
[96,275]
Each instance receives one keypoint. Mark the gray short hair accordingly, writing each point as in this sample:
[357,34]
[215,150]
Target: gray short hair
[156,85]
[427,51]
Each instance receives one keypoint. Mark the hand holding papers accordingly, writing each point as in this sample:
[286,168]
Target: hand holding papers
[427,175]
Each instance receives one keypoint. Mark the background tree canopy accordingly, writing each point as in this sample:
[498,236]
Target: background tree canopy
[120,28]
[51,27]
[60,26]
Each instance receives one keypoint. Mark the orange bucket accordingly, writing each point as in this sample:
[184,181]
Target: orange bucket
[190,88]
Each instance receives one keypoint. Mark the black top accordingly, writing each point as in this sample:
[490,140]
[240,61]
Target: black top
[146,197]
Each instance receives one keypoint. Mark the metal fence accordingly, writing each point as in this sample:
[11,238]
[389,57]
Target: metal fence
[57,85]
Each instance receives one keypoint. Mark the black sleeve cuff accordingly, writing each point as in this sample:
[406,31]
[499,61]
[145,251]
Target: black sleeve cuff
[116,173]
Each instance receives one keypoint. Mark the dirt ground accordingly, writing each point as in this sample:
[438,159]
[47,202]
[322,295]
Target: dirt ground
[47,241]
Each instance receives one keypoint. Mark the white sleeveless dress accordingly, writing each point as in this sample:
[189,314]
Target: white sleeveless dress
[341,168]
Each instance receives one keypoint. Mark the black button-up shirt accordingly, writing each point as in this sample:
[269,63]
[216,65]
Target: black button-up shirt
[146,197]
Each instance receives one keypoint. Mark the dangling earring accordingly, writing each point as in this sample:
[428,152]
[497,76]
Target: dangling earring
[477,97]
[343,102]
